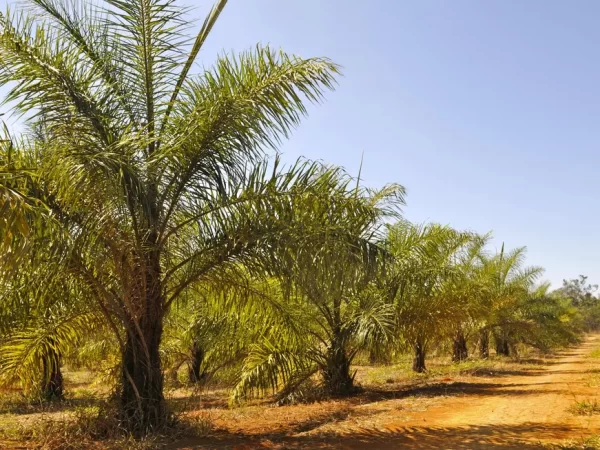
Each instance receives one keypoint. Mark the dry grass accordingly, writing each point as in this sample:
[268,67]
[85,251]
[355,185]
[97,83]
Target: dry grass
[443,368]
[590,443]
[86,419]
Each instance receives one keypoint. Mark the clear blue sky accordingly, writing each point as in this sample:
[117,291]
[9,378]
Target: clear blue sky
[487,111]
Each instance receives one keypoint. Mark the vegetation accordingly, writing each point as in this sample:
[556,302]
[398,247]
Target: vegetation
[591,443]
[586,408]
[148,232]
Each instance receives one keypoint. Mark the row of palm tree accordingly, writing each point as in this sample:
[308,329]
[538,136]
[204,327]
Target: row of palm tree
[143,214]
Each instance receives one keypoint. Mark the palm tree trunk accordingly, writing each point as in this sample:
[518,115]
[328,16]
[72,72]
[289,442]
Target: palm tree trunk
[195,375]
[502,346]
[52,379]
[336,373]
[142,402]
[172,376]
[460,351]
[379,356]
[419,359]
[373,357]
[484,344]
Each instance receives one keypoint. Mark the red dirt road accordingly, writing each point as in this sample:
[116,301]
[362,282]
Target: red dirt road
[524,410]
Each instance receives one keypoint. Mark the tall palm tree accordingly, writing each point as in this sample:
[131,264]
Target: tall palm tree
[149,178]
[467,291]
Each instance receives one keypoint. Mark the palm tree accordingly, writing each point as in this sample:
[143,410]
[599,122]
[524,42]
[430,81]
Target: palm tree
[325,303]
[152,178]
[214,327]
[420,283]
[508,282]
[467,291]
[547,320]
[40,327]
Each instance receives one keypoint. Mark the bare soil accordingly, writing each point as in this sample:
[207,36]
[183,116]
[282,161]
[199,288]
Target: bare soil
[526,406]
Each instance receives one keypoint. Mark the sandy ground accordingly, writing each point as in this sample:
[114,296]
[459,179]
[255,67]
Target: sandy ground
[516,409]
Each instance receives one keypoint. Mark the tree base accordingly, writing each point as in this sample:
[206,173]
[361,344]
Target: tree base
[52,387]
[337,381]
[460,351]
[142,404]
[419,360]
[484,345]
[196,373]
[502,347]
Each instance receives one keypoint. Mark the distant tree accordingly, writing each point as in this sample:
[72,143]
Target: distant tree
[508,283]
[42,320]
[549,320]
[579,291]
[583,296]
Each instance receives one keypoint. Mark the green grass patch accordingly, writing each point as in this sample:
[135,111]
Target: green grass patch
[585,408]
[590,443]
[441,367]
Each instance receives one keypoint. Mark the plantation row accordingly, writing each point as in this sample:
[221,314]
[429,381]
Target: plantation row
[146,230]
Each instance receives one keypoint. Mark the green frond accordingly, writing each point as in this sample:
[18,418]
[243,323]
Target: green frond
[225,119]
[271,366]
[26,354]
[207,26]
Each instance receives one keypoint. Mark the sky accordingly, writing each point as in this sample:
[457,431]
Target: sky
[488,112]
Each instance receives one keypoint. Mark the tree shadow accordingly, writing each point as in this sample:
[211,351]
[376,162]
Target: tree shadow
[497,437]
[449,389]
[494,373]
[565,372]
[539,361]
[199,401]
[371,394]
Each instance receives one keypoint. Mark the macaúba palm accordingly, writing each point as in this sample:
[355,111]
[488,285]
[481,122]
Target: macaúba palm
[329,307]
[420,283]
[144,155]
[43,319]
[466,289]
[548,320]
[212,330]
[508,283]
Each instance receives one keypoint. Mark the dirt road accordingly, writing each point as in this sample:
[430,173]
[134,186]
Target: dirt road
[516,409]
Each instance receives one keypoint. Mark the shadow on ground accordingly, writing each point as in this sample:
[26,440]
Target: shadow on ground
[448,389]
[504,437]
